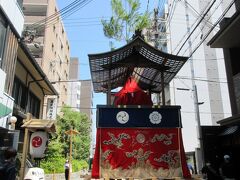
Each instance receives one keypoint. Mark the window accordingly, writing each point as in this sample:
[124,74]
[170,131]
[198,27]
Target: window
[52,47]
[3,30]
[34,105]
[19,93]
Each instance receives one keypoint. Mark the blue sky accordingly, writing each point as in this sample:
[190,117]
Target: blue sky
[86,36]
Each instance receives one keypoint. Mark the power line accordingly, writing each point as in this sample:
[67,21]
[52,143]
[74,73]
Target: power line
[196,22]
[65,12]
[55,15]
[200,34]
[217,22]
[205,112]
[71,11]
[189,35]
[196,79]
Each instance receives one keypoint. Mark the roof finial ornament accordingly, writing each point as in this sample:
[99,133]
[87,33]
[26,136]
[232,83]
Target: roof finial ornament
[138,33]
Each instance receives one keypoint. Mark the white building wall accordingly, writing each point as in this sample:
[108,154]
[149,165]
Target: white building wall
[74,95]
[208,69]
[14,14]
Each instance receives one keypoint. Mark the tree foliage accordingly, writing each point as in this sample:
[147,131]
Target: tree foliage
[125,20]
[77,121]
[58,148]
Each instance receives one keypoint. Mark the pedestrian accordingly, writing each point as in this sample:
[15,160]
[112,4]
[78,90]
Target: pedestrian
[67,168]
[227,170]
[190,167]
[209,172]
[8,169]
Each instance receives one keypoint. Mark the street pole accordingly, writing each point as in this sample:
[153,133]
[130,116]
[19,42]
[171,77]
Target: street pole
[197,117]
[25,149]
[70,132]
[197,114]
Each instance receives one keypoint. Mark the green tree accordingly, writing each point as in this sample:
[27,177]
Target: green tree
[125,21]
[77,121]
[58,147]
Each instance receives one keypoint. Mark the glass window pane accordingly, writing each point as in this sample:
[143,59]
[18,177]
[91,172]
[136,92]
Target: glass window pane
[3,30]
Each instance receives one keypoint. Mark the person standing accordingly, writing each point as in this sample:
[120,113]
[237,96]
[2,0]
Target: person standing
[67,168]
[8,169]
[227,170]
[190,167]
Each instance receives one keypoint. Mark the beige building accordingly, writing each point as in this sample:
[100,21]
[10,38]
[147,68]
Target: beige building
[86,97]
[47,40]
[81,91]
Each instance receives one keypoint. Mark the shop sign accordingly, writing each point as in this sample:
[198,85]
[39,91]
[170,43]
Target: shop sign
[51,108]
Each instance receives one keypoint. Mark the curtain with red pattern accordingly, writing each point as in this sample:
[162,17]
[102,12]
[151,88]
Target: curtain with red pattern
[139,153]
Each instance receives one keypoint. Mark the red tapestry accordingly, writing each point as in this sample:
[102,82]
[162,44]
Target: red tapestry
[139,153]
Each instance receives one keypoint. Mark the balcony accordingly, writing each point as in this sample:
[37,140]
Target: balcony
[33,19]
[35,2]
[35,8]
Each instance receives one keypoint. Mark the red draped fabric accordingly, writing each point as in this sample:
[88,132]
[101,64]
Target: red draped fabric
[132,94]
[139,153]
[142,152]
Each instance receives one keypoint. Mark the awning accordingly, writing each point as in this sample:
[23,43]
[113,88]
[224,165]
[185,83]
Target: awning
[40,124]
[27,60]
[147,65]
[229,131]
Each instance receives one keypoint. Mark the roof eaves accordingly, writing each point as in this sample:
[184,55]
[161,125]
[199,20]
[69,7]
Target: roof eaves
[38,68]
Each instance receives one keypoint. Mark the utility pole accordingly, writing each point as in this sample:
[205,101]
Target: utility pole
[70,132]
[197,114]
[194,87]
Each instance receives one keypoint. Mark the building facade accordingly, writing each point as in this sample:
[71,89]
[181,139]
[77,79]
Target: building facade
[86,98]
[74,84]
[23,83]
[81,91]
[11,26]
[226,138]
[47,40]
[201,85]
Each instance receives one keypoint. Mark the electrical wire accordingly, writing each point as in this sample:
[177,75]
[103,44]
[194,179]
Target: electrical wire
[55,15]
[69,13]
[217,22]
[198,79]
[65,12]
[203,26]
[189,35]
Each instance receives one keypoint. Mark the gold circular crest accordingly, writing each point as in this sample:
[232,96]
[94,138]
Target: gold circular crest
[140,138]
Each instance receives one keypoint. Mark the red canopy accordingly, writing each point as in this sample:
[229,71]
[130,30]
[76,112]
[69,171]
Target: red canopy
[132,94]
